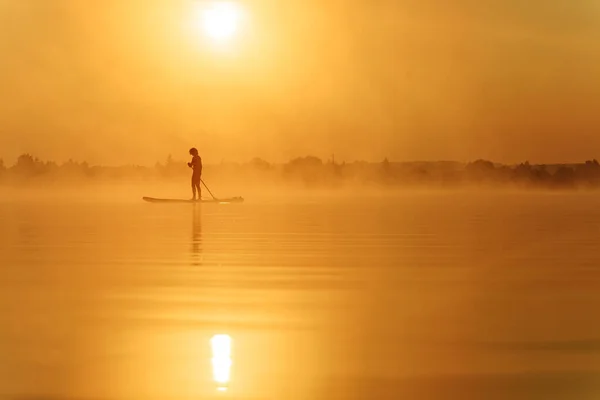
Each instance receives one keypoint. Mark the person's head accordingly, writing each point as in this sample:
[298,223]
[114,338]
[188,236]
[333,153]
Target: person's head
[193,151]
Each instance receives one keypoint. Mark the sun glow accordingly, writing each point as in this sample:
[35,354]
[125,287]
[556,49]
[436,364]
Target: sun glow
[219,20]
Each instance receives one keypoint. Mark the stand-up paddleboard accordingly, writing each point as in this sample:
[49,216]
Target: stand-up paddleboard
[218,201]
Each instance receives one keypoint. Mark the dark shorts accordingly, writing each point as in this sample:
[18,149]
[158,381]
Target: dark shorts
[196,178]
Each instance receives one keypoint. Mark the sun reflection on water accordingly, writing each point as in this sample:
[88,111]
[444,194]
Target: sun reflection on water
[221,360]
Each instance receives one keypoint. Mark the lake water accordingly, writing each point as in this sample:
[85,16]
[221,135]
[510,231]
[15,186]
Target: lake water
[410,296]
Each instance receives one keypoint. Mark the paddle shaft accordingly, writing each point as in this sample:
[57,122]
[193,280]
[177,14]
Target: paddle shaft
[213,196]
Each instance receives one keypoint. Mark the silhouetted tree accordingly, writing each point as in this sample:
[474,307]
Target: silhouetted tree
[504,173]
[523,173]
[540,175]
[305,162]
[481,165]
[480,170]
[588,173]
[260,164]
[27,165]
[309,169]
[24,162]
[564,177]
[70,168]
[171,167]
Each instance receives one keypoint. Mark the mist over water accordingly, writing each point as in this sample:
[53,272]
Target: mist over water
[421,294]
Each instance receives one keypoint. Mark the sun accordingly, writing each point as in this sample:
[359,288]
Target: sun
[219,20]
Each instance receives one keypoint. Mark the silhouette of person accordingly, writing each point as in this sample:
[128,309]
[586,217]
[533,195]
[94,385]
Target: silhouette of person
[196,165]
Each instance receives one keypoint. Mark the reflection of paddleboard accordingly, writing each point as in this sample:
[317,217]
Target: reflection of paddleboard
[221,201]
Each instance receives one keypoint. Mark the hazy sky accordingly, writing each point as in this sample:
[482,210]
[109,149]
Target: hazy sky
[120,81]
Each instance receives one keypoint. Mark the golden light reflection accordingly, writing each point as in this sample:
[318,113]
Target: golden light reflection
[221,360]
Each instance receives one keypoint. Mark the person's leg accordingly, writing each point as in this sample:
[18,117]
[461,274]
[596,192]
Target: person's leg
[198,189]
[193,189]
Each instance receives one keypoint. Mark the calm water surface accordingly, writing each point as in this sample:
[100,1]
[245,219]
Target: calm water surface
[417,296]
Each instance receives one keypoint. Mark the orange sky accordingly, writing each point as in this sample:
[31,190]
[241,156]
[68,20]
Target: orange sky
[119,81]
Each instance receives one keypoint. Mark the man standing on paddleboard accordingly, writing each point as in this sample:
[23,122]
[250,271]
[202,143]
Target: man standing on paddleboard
[196,166]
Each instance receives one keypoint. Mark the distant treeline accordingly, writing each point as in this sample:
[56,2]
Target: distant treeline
[313,171]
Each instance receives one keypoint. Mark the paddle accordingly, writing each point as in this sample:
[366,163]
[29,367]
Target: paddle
[213,196]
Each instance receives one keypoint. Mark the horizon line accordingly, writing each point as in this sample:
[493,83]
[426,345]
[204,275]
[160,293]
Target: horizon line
[325,161]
